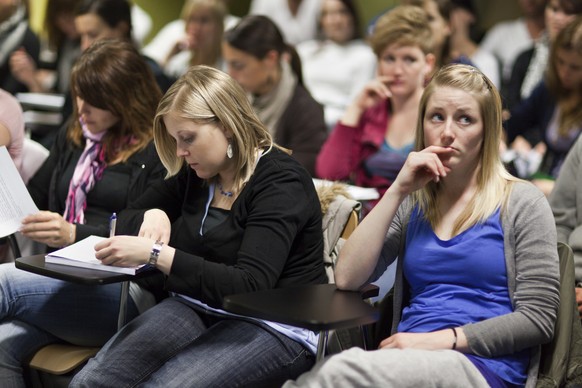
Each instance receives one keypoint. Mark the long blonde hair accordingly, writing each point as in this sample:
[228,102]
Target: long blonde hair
[493,181]
[206,95]
[218,11]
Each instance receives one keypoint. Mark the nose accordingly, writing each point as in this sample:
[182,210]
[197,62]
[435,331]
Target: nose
[563,74]
[335,16]
[398,67]
[85,43]
[447,134]
[82,106]
[181,151]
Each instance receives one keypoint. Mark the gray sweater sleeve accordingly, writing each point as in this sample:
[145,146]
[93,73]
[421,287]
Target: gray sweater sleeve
[533,278]
[392,242]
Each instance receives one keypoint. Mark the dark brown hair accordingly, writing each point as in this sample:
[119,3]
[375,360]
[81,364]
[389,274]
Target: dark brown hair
[112,12]
[113,76]
[54,8]
[257,35]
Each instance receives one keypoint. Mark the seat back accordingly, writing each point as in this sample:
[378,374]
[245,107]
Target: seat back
[561,359]
[340,218]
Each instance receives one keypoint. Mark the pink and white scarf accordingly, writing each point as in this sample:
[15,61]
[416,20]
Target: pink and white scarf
[88,171]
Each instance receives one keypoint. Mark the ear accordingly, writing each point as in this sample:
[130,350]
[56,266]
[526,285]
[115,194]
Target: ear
[448,29]
[227,132]
[430,62]
[272,58]
[123,29]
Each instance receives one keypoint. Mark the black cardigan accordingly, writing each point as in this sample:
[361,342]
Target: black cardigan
[271,238]
[119,184]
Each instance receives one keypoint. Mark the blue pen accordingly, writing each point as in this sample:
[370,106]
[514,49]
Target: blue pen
[112,224]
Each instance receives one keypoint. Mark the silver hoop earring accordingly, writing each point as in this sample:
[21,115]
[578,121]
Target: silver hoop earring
[229,152]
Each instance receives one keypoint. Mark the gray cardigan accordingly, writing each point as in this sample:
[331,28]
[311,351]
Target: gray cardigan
[566,203]
[532,271]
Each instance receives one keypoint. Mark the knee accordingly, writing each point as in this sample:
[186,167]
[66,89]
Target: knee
[6,271]
[84,378]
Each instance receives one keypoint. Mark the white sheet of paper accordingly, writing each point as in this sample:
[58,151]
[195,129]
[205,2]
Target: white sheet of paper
[15,201]
[83,250]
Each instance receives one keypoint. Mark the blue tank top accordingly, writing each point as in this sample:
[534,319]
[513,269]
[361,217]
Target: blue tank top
[387,161]
[459,281]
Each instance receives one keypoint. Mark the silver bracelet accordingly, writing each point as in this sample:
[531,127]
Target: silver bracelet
[155,253]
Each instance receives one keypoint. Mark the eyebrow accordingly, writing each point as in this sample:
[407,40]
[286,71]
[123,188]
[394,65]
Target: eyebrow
[462,109]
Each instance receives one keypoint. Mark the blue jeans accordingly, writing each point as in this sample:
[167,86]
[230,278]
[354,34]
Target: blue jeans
[37,310]
[174,344]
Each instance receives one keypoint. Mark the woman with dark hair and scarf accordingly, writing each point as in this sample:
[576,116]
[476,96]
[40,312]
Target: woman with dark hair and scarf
[99,163]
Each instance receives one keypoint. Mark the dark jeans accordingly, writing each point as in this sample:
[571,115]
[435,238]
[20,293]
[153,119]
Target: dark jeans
[175,344]
[37,310]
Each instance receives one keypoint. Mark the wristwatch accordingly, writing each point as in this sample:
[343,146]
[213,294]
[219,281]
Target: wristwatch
[155,253]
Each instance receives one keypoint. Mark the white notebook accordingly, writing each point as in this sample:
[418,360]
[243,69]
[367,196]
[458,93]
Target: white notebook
[82,254]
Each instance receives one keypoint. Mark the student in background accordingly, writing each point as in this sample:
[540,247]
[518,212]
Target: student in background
[369,144]
[270,71]
[15,36]
[111,19]
[440,13]
[530,65]
[161,44]
[240,215]
[194,39]
[553,109]
[338,65]
[202,39]
[296,19]
[464,37]
[98,164]
[62,43]
[477,285]
[506,39]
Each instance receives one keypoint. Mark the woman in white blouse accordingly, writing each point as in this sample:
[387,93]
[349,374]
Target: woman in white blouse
[337,66]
